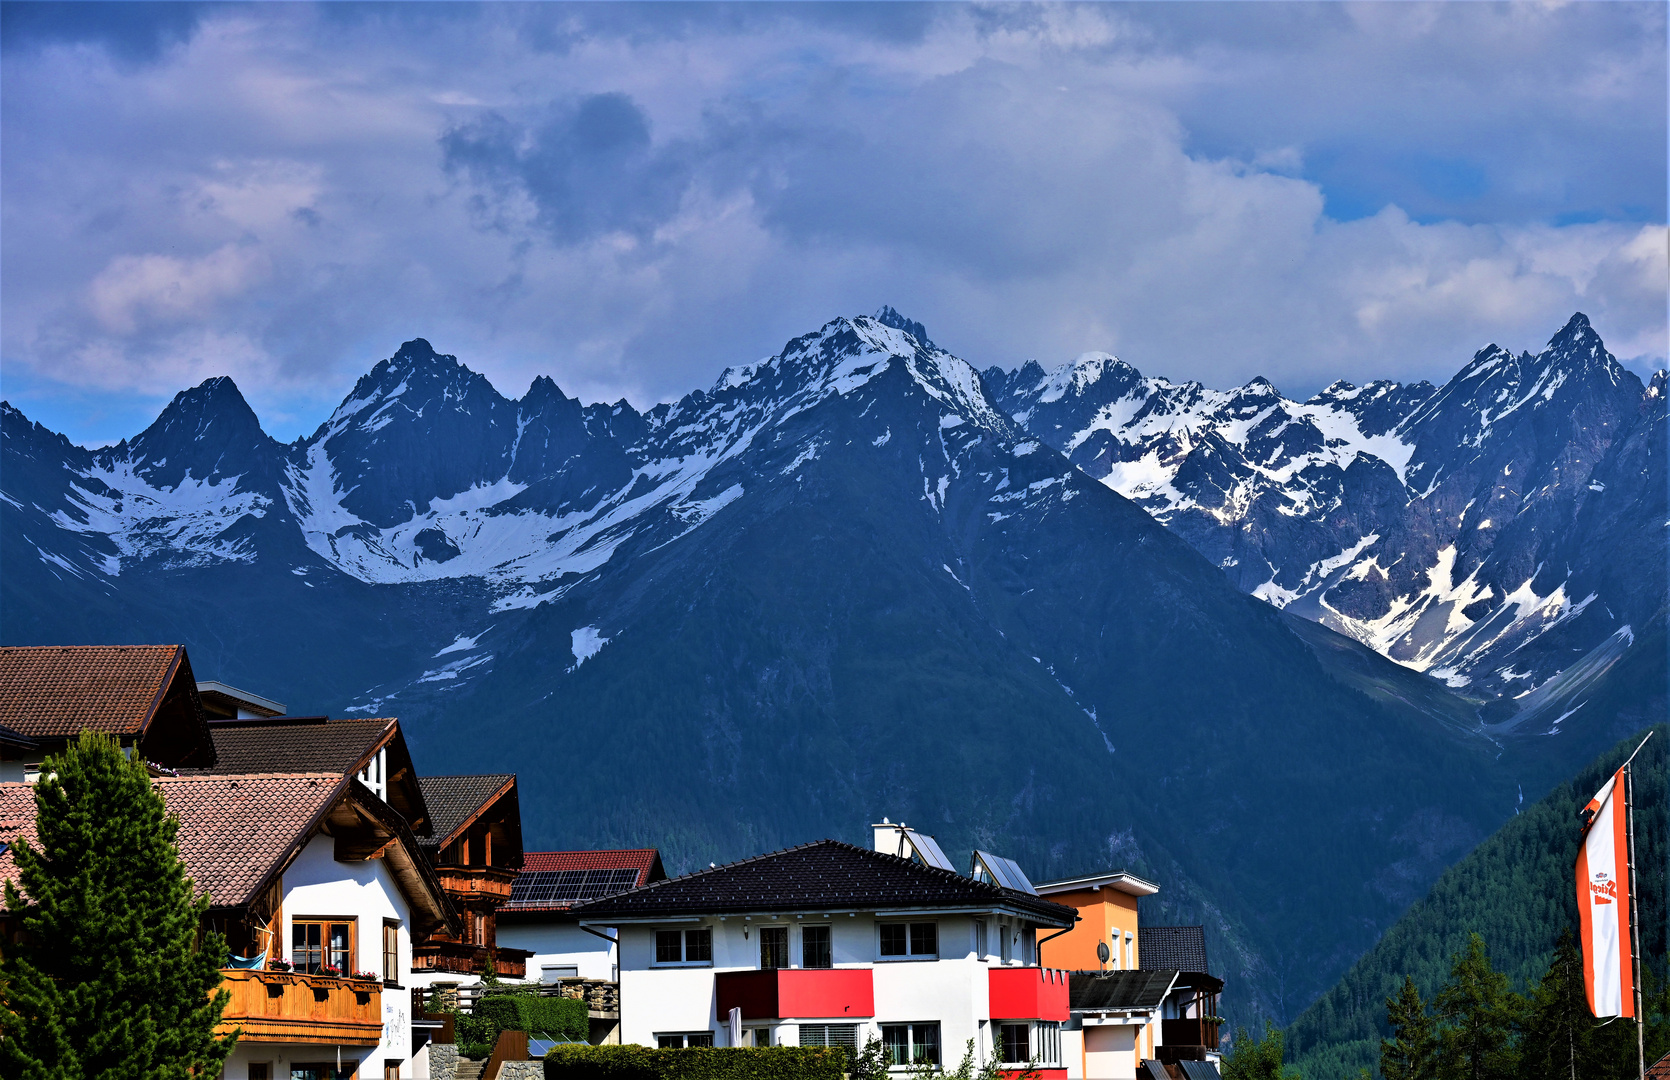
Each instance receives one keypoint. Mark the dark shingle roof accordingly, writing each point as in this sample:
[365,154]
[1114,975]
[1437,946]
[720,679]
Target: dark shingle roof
[826,875]
[233,829]
[56,691]
[16,739]
[1140,989]
[293,745]
[454,800]
[1174,948]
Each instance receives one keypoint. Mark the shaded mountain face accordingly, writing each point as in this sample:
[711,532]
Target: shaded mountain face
[1492,532]
[840,583]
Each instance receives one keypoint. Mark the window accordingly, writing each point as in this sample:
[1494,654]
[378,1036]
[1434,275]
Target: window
[756,1037]
[980,939]
[845,1035]
[1016,1042]
[911,1044]
[915,939]
[682,1039]
[321,1070]
[814,951]
[258,1070]
[1003,940]
[316,944]
[774,947]
[391,952]
[693,946]
[391,1069]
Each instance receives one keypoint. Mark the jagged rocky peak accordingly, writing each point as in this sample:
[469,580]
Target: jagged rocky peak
[207,432]
[887,316]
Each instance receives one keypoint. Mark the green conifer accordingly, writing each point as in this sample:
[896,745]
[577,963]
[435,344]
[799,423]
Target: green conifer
[1481,1012]
[110,980]
[1258,1059]
[1412,1051]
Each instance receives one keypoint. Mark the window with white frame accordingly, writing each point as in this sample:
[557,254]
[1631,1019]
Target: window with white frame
[1036,1042]
[678,1040]
[911,1044]
[692,946]
[774,947]
[843,1035]
[903,941]
[979,939]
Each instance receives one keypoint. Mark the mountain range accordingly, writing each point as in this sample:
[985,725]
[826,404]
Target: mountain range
[860,578]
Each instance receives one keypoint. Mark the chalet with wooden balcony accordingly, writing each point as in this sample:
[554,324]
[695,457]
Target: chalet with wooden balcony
[475,846]
[143,695]
[320,888]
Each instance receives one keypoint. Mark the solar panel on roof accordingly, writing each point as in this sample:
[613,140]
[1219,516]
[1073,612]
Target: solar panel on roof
[565,888]
[928,850]
[1004,872]
[1200,1070]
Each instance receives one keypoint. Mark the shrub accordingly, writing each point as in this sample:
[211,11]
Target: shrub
[559,1017]
[475,1051]
[576,1062]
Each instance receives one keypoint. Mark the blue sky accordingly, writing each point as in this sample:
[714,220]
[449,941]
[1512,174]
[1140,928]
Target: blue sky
[631,197]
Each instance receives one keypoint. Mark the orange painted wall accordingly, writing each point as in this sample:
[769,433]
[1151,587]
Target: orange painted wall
[1101,912]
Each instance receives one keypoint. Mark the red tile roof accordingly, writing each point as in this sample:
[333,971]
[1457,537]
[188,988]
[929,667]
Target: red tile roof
[53,691]
[641,859]
[1660,1069]
[233,829]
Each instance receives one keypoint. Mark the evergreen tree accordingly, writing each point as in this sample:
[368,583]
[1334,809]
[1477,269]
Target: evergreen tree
[1412,1051]
[1480,1012]
[1557,1040]
[110,980]
[1257,1059]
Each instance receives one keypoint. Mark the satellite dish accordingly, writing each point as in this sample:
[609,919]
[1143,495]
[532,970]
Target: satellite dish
[1102,953]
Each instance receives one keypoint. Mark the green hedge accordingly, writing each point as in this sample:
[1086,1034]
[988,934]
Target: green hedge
[573,1062]
[558,1017]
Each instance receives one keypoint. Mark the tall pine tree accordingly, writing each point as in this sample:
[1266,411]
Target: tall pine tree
[111,980]
[1481,1012]
[1412,1051]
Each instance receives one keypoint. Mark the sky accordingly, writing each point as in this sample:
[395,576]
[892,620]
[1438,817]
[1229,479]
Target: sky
[630,198]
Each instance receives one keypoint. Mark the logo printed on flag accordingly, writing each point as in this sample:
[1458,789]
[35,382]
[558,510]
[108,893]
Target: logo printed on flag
[1603,905]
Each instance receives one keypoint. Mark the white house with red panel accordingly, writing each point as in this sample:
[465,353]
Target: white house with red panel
[832,944]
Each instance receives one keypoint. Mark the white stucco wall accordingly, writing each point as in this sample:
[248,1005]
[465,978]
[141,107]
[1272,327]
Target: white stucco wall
[560,943]
[952,989]
[317,886]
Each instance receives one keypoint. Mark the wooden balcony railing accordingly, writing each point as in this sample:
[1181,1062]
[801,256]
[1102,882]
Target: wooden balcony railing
[466,883]
[459,959]
[284,1006]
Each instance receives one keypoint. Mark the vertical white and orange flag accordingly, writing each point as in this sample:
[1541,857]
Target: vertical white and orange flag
[1603,904]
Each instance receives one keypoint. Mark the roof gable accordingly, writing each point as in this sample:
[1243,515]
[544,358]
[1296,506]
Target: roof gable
[318,744]
[457,802]
[826,875]
[57,691]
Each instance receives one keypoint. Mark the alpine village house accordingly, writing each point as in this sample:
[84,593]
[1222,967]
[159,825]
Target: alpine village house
[350,889]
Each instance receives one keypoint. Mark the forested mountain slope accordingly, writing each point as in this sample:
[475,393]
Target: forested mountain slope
[838,584]
[1517,890]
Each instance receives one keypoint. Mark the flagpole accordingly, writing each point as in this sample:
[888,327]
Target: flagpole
[1635,919]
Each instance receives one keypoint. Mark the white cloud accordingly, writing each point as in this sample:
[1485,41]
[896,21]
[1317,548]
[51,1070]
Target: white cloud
[271,199]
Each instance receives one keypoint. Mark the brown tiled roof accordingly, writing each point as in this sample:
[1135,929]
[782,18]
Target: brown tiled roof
[826,875]
[293,745]
[233,829]
[54,691]
[454,800]
[1660,1069]
[647,861]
